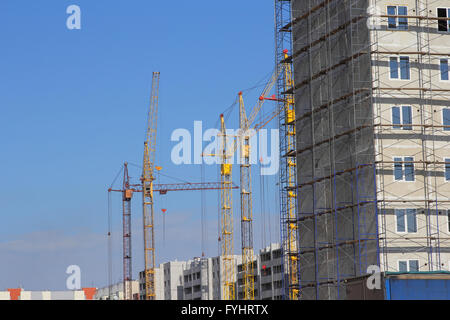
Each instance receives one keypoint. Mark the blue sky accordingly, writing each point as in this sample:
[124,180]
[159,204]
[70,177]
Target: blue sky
[73,109]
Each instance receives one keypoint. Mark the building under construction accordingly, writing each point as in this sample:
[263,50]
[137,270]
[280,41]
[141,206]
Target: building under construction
[372,118]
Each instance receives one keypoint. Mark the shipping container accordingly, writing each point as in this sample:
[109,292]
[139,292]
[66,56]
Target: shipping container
[401,286]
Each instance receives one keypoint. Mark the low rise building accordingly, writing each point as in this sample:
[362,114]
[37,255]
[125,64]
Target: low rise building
[240,280]
[271,273]
[168,281]
[115,291]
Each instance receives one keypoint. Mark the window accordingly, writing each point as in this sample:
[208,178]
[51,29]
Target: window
[446,118]
[266,286]
[402,117]
[444,70]
[447,169]
[408,265]
[404,169]
[278,284]
[406,220]
[397,23]
[413,265]
[277,269]
[403,266]
[443,25]
[266,271]
[277,254]
[400,67]
[265,257]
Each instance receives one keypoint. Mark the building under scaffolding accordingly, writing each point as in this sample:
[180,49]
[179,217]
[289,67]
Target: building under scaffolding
[371,89]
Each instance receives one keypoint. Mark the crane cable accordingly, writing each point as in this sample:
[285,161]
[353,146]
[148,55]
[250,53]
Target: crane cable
[203,212]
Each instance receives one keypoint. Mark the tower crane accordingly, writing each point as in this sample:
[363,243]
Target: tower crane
[226,214]
[226,153]
[226,238]
[246,188]
[127,194]
[147,179]
[288,179]
[289,198]
[246,205]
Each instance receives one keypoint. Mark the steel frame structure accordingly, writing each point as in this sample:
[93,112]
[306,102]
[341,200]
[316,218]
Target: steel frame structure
[246,204]
[427,137]
[288,163]
[147,190]
[347,142]
[127,194]
[226,215]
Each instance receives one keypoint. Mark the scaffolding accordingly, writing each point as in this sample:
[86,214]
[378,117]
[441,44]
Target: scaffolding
[425,138]
[288,164]
[348,148]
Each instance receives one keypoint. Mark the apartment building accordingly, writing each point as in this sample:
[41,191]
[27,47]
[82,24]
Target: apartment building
[116,292]
[372,89]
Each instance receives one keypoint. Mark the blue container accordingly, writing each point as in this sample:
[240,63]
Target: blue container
[417,288]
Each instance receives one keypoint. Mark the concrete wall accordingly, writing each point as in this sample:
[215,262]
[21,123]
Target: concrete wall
[116,291]
[271,273]
[159,284]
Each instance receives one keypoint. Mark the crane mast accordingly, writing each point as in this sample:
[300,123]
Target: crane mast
[246,184]
[226,214]
[246,205]
[147,190]
[127,194]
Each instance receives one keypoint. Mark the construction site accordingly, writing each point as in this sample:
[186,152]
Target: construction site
[360,95]
[362,91]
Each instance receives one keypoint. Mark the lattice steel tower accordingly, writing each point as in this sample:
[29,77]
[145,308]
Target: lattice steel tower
[288,165]
[147,190]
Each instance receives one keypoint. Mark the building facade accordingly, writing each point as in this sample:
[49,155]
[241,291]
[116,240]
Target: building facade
[271,273]
[159,284]
[256,280]
[116,292]
[372,89]
[204,279]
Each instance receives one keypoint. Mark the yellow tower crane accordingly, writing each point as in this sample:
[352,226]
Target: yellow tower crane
[147,190]
[226,154]
[289,219]
[246,205]
[244,137]
[226,214]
